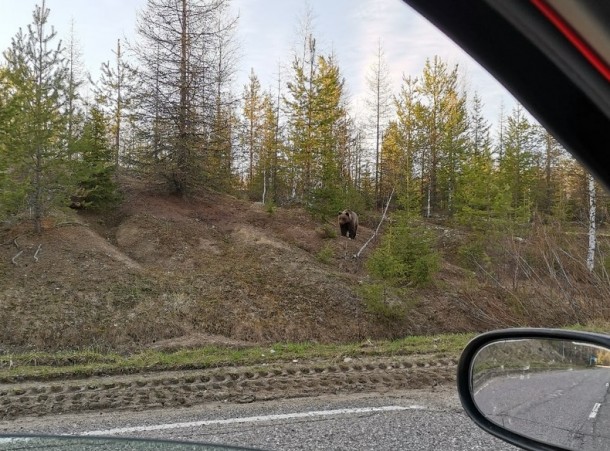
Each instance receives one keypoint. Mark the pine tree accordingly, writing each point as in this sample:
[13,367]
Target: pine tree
[37,74]
[218,108]
[444,125]
[13,191]
[548,190]
[318,131]
[327,115]
[406,256]
[592,245]
[218,172]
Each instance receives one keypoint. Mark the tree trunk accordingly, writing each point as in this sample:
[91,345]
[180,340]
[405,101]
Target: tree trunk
[592,234]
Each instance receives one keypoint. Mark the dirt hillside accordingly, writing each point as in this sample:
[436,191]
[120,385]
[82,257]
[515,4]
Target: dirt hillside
[165,271]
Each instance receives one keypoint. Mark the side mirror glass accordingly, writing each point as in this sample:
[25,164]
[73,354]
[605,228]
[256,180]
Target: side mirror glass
[547,390]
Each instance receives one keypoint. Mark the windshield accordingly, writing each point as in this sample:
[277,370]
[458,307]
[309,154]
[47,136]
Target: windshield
[269,224]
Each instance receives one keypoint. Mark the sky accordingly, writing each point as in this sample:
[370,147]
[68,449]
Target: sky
[267,34]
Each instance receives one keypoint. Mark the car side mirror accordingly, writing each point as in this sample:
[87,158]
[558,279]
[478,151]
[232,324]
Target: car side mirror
[539,389]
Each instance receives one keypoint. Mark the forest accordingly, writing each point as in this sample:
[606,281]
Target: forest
[166,111]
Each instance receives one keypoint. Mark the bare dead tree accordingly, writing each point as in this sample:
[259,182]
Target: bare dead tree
[383,216]
[184,70]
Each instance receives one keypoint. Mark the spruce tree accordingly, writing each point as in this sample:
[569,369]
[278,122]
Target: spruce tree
[478,188]
[97,187]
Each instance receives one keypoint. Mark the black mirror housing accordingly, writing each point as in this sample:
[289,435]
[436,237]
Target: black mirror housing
[466,368]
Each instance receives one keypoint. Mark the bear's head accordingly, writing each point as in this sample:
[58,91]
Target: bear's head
[344,217]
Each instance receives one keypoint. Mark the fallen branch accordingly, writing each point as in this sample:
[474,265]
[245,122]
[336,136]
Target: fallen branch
[15,257]
[12,241]
[71,223]
[378,226]
[36,253]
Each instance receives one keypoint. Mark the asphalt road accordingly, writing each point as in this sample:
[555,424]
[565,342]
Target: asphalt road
[563,407]
[406,419]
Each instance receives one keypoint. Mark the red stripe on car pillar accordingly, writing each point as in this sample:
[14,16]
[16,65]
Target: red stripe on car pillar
[572,36]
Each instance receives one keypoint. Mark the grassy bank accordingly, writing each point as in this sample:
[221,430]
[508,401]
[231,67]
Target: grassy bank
[71,365]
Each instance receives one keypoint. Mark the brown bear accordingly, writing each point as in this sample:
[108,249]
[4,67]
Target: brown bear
[348,223]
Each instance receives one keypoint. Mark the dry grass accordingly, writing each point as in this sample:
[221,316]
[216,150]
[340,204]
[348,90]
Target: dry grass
[539,279]
[163,267]
[162,270]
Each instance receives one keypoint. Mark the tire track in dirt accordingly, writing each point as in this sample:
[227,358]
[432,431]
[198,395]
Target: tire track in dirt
[234,384]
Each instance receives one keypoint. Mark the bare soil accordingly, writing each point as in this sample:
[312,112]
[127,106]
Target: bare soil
[166,272]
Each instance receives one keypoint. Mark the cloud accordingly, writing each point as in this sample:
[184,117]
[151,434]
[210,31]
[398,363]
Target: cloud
[268,35]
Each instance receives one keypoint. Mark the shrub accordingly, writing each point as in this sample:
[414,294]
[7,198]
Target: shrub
[327,231]
[473,256]
[406,255]
[379,302]
[270,207]
[325,255]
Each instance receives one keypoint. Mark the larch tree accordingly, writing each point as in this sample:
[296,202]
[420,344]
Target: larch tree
[379,105]
[73,103]
[392,162]
[115,93]
[299,116]
[443,123]
[349,153]
[356,160]
[251,129]
[409,113]
[271,170]
[220,147]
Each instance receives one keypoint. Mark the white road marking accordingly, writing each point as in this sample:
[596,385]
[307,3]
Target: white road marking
[593,413]
[11,440]
[286,416]
[482,387]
